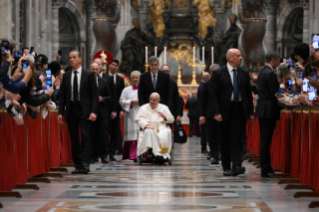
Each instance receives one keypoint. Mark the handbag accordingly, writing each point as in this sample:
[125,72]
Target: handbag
[179,133]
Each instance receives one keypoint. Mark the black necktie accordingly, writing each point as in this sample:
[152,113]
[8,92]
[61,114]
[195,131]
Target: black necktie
[235,85]
[75,87]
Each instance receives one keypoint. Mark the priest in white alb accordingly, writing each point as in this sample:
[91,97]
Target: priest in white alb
[129,103]
[153,118]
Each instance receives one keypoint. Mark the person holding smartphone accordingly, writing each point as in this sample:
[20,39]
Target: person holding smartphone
[302,53]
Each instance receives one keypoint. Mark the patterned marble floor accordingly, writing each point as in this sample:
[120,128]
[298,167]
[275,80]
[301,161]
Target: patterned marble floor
[191,184]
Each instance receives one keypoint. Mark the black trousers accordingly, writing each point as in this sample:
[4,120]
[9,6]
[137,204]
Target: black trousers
[212,137]
[230,136]
[244,140]
[191,124]
[99,134]
[267,127]
[114,129]
[203,137]
[80,151]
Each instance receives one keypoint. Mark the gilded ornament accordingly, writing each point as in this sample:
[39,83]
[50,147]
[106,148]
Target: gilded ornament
[206,16]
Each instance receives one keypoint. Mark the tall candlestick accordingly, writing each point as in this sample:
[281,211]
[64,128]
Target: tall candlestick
[194,55]
[155,51]
[212,55]
[203,55]
[165,55]
[146,54]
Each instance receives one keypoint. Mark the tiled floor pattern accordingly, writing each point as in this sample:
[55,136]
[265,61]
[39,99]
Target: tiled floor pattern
[191,184]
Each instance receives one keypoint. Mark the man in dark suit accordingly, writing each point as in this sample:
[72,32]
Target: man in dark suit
[154,81]
[100,127]
[174,96]
[191,105]
[267,109]
[203,137]
[209,123]
[231,104]
[116,138]
[79,104]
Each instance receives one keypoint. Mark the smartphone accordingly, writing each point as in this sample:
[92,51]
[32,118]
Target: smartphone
[25,64]
[4,47]
[18,54]
[293,67]
[313,74]
[43,61]
[281,91]
[299,74]
[31,50]
[305,85]
[289,62]
[20,113]
[60,53]
[48,81]
[315,41]
[311,93]
[288,84]
[296,95]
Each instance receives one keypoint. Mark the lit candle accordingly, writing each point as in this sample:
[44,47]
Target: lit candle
[165,55]
[203,54]
[146,54]
[155,51]
[194,55]
[212,55]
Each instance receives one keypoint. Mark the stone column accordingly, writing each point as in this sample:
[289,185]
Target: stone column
[55,30]
[16,22]
[270,36]
[27,23]
[306,15]
[314,17]
[143,9]
[90,13]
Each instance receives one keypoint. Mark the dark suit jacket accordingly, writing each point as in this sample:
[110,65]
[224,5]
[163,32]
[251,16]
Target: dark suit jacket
[191,105]
[89,97]
[4,69]
[105,93]
[116,91]
[174,102]
[180,106]
[203,97]
[221,89]
[162,87]
[268,86]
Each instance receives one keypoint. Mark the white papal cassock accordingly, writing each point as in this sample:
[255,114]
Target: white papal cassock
[159,139]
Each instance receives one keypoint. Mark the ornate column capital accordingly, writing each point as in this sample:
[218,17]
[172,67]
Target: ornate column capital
[144,6]
[58,3]
[302,3]
[218,5]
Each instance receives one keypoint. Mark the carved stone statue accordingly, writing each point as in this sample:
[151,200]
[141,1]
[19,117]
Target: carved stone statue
[155,16]
[231,37]
[133,49]
[212,39]
[206,16]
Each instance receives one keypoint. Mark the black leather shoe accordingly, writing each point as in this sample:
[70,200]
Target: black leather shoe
[209,156]
[245,157]
[77,171]
[226,173]
[112,158]
[105,160]
[214,162]
[85,170]
[237,170]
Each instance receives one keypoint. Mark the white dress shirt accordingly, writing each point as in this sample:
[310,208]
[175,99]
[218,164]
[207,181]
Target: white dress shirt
[79,74]
[230,70]
[114,77]
[97,81]
[101,74]
[152,78]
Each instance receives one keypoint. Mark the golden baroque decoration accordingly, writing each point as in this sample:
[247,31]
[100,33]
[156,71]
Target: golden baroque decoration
[206,16]
[155,16]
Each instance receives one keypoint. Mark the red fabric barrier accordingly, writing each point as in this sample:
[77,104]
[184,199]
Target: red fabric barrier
[304,146]
[35,156]
[54,153]
[45,143]
[295,144]
[7,170]
[21,151]
[256,137]
[312,174]
[65,144]
[285,141]
[249,134]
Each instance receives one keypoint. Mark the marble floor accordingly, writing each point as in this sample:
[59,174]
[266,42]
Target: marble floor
[190,184]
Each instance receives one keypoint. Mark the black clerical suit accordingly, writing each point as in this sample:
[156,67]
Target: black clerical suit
[203,137]
[114,124]
[210,126]
[147,87]
[191,105]
[268,112]
[234,108]
[100,126]
[77,110]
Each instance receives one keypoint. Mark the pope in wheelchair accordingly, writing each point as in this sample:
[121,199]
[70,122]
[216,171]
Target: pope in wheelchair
[153,118]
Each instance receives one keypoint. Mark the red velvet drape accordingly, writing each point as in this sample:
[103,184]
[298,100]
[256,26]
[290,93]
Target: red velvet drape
[256,137]
[285,141]
[65,144]
[45,143]
[295,144]
[54,153]
[304,146]
[312,174]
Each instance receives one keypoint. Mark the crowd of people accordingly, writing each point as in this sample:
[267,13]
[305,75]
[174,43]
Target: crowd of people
[92,102]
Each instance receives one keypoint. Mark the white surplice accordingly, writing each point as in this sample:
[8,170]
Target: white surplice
[160,138]
[130,127]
